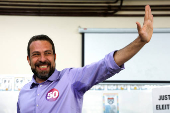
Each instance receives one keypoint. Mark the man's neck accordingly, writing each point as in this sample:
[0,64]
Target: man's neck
[38,80]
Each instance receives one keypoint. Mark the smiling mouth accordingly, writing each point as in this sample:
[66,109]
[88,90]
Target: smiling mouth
[43,67]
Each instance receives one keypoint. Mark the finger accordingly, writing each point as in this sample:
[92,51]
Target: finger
[138,26]
[146,12]
[152,18]
[150,14]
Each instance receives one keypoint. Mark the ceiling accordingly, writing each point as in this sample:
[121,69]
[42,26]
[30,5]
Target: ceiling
[85,8]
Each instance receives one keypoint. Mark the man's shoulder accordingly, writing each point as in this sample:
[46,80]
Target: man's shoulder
[66,70]
[26,86]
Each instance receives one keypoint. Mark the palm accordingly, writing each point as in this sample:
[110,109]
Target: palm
[146,31]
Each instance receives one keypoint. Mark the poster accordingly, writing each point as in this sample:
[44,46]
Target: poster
[135,87]
[18,83]
[122,87]
[111,87]
[0,84]
[99,87]
[110,103]
[7,84]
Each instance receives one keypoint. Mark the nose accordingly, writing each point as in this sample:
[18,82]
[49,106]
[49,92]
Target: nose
[42,58]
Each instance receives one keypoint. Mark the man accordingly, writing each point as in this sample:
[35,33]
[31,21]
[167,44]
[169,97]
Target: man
[52,91]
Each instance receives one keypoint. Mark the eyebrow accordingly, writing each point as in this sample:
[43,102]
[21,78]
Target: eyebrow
[48,51]
[35,52]
[39,52]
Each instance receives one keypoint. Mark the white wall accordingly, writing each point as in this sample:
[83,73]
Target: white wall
[15,32]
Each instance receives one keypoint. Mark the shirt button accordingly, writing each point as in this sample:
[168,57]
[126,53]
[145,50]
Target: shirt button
[38,94]
[40,85]
[37,105]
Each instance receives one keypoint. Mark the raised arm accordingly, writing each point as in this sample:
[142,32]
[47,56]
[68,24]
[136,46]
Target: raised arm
[145,33]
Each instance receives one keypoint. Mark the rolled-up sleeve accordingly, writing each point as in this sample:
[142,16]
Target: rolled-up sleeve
[111,64]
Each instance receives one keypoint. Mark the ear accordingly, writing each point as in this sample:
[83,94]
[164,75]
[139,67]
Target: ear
[54,57]
[28,59]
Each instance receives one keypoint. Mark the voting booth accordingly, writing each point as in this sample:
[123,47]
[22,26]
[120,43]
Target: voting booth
[133,89]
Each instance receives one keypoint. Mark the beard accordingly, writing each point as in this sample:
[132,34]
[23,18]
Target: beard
[43,74]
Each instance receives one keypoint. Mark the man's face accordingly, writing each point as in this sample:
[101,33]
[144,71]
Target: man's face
[42,59]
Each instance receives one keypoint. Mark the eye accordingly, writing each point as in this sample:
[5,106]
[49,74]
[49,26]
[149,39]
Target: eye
[48,53]
[35,54]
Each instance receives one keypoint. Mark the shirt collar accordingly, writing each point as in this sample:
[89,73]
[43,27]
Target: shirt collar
[54,77]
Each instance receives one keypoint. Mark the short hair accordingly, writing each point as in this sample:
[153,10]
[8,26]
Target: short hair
[40,37]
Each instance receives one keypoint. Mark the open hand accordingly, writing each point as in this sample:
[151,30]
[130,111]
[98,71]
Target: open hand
[145,32]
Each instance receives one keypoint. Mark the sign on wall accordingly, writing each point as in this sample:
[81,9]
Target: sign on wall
[161,100]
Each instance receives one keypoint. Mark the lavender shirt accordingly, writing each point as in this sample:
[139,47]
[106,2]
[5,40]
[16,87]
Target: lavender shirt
[63,91]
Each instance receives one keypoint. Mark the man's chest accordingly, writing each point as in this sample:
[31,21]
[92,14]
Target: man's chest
[47,97]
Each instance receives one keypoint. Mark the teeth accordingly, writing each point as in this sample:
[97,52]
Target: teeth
[43,66]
